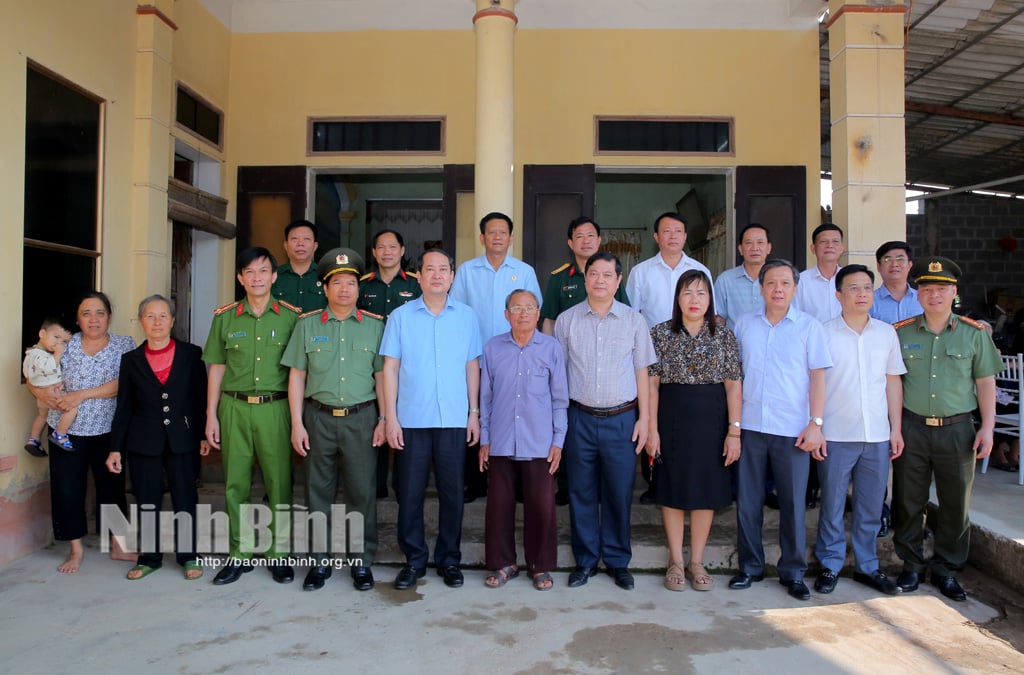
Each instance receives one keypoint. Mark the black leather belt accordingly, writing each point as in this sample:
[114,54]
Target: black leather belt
[340,412]
[605,412]
[256,400]
[937,421]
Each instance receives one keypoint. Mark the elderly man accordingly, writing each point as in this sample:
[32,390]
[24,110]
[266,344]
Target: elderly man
[334,390]
[431,351]
[863,403]
[784,361]
[607,351]
[297,280]
[523,400]
[951,367]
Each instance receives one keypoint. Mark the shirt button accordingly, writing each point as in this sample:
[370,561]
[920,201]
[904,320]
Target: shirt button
[167,408]
[933,375]
[933,395]
[164,396]
[257,379]
[167,423]
[258,339]
[257,358]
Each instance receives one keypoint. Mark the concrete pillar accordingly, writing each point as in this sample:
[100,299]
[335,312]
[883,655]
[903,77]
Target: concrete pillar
[866,107]
[152,154]
[494,25]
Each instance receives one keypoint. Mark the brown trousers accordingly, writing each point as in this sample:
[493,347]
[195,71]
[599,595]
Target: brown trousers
[540,534]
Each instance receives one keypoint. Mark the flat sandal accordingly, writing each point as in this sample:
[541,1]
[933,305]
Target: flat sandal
[675,578]
[699,577]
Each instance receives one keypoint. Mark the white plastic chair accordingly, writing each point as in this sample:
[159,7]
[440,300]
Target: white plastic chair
[1010,381]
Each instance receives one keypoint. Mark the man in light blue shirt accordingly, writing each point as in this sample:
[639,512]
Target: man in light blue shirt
[431,350]
[895,300]
[784,360]
[736,290]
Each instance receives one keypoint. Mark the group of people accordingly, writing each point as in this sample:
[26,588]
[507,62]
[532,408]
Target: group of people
[764,370]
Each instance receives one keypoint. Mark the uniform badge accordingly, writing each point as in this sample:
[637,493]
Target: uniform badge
[935,266]
[319,338]
[237,334]
[405,294]
[341,259]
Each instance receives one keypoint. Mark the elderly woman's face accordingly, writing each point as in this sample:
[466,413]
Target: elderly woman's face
[93,318]
[156,320]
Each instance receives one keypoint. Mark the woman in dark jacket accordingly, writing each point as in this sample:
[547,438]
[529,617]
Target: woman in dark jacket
[160,422]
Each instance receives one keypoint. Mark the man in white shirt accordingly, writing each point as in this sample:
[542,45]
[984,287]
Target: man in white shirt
[817,292]
[736,290]
[652,283]
[863,431]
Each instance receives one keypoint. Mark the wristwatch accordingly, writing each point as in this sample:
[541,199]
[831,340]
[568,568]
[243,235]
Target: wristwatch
[734,424]
[818,421]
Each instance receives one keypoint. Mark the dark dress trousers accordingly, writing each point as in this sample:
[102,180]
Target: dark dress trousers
[157,429]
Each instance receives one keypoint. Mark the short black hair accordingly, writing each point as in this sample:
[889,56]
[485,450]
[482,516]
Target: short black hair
[495,215]
[249,255]
[604,255]
[778,262]
[398,237]
[755,226]
[301,223]
[825,227]
[852,269]
[582,220]
[446,254]
[95,295]
[52,320]
[892,246]
[669,214]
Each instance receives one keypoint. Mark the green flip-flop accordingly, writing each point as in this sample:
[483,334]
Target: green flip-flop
[193,565]
[145,569]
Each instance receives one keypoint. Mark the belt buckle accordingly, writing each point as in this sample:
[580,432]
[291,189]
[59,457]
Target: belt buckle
[253,400]
[933,421]
[339,412]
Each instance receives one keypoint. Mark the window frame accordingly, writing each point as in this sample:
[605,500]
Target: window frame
[729,120]
[312,121]
[199,98]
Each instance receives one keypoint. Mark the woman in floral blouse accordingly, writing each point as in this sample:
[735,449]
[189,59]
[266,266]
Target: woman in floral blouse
[695,411]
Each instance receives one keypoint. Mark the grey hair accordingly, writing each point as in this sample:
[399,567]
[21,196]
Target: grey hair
[156,297]
[779,262]
[508,300]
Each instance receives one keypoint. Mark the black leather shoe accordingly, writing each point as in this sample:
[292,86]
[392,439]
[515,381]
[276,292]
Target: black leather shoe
[743,580]
[283,574]
[407,577]
[826,581]
[622,576]
[315,578]
[562,498]
[812,498]
[647,496]
[949,587]
[468,496]
[771,500]
[878,581]
[883,531]
[232,571]
[908,581]
[580,576]
[797,589]
[362,578]
[452,576]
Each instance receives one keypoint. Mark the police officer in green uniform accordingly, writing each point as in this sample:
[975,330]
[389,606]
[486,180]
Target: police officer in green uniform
[297,281]
[247,415]
[382,292]
[566,289]
[334,394]
[948,359]
[565,285]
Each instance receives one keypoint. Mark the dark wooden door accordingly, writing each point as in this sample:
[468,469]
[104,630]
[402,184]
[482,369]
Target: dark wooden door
[269,197]
[776,197]
[458,178]
[553,195]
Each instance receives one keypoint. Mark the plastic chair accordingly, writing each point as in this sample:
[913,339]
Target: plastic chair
[1011,381]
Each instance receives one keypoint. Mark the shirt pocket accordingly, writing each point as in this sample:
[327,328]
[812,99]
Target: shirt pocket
[959,362]
[538,381]
[321,354]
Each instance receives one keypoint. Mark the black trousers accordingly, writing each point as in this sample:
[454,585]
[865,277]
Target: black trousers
[68,482]
[147,472]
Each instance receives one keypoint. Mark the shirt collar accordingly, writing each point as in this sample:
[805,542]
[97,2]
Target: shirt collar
[245,307]
[661,261]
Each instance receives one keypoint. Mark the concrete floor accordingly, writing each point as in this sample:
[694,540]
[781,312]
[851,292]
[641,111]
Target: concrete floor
[95,621]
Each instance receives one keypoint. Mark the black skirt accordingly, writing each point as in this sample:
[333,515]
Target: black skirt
[692,422]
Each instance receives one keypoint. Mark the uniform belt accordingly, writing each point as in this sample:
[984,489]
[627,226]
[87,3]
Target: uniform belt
[340,412]
[937,421]
[605,412]
[256,400]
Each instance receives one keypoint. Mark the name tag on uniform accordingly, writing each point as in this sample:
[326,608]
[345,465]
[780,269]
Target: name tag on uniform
[319,338]
[917,346]
[237,334]
[405,294]
[573,287]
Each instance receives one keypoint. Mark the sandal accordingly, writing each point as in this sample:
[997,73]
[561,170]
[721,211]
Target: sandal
[145,570]
[542,581]
[193,566]
[34,448]
[699,577]
[62,441]
[675,579]
[499,578]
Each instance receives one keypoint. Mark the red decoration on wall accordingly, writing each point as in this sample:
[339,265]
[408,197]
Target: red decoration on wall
[1008,244]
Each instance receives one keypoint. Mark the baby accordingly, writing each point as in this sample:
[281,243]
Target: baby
[42,369]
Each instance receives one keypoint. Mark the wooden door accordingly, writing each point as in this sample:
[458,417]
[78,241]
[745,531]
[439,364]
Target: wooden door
[776,197]
[553,195]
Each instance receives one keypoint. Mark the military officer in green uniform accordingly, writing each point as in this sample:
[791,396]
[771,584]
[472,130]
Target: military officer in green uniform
[381,292]
[247,415]
[297,281]
[334,394]
[951,367]
[565,285]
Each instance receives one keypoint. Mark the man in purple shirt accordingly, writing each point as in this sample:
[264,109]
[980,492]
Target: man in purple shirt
[524,396]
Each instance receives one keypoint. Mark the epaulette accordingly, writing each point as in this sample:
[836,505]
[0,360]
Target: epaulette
[375,316]
[560,269]
[311,313]
[221,310]
[414,275]
[368,276]
[905,322]
[290,306]
[972,322]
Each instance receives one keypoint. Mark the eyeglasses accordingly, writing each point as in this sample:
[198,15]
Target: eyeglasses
[520,309]
[901,259]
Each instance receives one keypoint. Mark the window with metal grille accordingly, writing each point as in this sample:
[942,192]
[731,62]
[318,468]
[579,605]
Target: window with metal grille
[377,135]
[672,135]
